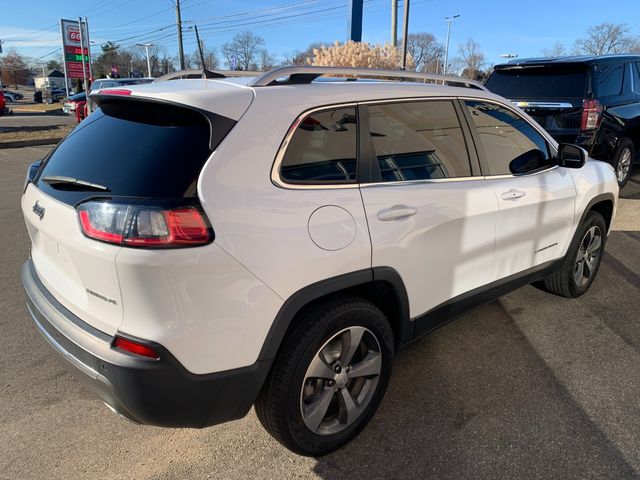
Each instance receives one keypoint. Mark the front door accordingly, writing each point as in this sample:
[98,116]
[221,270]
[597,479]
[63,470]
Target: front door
[536,198]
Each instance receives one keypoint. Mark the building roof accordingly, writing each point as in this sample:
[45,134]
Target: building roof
[54,73]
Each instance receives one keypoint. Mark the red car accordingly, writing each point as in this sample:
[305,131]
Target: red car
[3,103]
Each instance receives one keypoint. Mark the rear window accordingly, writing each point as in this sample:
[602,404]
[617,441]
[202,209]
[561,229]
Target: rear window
[539,82]
[133,149]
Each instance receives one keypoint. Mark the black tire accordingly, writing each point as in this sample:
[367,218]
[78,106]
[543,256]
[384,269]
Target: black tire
[564,281]
[623,159]
[280,404]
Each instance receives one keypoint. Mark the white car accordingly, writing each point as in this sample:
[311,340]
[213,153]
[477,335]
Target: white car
[201,246]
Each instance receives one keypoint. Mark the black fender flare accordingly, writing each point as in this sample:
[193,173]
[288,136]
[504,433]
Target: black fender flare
[303,297]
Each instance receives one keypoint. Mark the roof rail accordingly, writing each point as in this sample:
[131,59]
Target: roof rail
[204,73]
[306,74]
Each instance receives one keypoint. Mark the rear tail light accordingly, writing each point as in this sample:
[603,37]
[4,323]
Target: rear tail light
[591,114]
[145,225]
[135,348]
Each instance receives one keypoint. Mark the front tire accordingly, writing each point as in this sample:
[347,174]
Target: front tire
[329,377]
[623,160]
[582,261]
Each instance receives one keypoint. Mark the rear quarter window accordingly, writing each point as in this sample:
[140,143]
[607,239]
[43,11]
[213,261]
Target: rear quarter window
[322,149]
[609,79]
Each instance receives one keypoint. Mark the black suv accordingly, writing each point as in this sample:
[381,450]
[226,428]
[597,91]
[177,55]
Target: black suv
[592,101]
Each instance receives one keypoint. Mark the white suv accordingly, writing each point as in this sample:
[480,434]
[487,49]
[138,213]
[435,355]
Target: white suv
[201,246]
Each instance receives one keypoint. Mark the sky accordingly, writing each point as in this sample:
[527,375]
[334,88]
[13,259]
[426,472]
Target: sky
[522,27]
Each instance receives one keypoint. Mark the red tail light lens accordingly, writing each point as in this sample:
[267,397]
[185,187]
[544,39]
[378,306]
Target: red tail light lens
[145,225]
[591,114]
[135,348]
[116,91]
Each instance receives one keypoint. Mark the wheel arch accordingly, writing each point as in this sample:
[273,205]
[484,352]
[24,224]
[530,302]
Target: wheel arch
[382,286]
[604,205]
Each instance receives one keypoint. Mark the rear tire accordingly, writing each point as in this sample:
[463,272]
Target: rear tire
[623,161]
[582,261]
[329,377]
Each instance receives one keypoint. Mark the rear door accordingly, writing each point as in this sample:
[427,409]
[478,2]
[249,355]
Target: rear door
[536,203]
[127,150]
[429,216]
[552,94]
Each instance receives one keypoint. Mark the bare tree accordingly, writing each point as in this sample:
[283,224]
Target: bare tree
[14,68]
[606,38]
[473,60]
[556,50]
[243,51]
[211,61]
[302,57]
[267,61]
[425,50]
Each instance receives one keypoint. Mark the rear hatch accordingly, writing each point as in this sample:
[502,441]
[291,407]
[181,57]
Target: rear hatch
[126,152]
[553,94]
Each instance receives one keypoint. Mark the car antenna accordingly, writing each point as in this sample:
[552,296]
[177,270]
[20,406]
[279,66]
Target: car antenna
[205,73]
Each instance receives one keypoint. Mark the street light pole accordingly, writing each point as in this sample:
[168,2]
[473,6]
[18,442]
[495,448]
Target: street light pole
[146,47]
[446,51]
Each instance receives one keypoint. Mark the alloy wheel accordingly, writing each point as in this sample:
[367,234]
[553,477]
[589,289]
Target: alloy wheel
[340,381]
[624,165]
[588,256]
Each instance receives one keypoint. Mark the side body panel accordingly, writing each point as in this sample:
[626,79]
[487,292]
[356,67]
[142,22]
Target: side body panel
[267,228]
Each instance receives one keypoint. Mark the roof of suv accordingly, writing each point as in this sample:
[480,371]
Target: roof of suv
[230,97]
[586,59]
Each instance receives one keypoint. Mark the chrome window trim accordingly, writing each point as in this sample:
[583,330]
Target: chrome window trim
[279,182]
[523,104]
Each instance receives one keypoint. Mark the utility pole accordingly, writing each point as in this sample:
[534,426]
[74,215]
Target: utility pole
[179,26]
[446,50]
[405,33]
[394,23]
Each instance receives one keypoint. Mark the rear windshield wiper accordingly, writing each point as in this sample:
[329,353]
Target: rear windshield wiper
[73,183]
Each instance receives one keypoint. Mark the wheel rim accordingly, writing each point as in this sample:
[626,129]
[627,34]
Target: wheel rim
[624,165]
[340,381]
[588,255]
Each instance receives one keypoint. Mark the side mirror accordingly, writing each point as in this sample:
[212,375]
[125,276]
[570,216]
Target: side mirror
[529,161]
[571,156]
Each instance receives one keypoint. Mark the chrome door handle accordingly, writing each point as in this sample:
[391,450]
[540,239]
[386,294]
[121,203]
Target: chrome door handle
[513,194]
[396,213]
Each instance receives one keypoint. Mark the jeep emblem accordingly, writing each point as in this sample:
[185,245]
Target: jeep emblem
[38,210]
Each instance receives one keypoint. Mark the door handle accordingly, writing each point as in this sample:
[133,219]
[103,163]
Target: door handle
[396,212]
[513,194]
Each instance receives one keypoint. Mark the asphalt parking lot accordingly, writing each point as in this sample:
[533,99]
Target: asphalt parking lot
[529,386]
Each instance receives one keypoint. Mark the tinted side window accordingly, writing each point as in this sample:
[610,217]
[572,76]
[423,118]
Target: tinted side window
[418,141]
[610,79]
[635,69]
[505,138]
[323,148]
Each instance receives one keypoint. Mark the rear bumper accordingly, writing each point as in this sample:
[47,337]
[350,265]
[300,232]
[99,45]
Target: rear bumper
[153,392]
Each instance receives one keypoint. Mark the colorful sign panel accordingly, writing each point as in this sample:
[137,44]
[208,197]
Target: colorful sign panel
[72,47]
